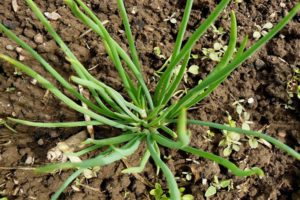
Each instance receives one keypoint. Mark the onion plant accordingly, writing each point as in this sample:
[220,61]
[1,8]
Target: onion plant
[141,115]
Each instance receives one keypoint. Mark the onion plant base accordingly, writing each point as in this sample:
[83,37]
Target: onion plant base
[145,117]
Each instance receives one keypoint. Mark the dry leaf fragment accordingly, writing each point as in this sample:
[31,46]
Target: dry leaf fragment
[15,5]
[53,15]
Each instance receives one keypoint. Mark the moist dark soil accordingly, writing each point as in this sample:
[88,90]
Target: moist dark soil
[263,77]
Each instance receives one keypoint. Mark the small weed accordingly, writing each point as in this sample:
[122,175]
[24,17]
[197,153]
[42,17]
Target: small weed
[217,185]
[231,139]
[262,31]
[293,85]
[159,194]
[157,52]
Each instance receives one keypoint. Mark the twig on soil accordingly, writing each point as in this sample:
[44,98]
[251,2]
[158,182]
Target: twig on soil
[89,188]
[18,168]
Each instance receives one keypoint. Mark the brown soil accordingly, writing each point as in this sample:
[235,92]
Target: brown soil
[263,77]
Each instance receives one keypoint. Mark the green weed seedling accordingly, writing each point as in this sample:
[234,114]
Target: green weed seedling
[217,185]
[231,139]
[158,193]
[293,86]
[142,116]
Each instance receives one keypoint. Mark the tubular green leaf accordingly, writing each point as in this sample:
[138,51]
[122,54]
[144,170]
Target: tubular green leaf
[211,78]
[223,73]
[174,85]
[164,80]
[141,167]
[183,136]
[120,101]
[125,20]
[98,161]
[45,83]
[226,163]
[49,68]
[268,138]
[100,29]
[111,141]
[67,182]
[120,51]
[178,43]
[55,124]
[172,185]
[78,68]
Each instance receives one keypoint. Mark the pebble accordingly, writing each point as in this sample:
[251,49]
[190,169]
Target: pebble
[19,49]
[29,160]
[259,64]
[9,47]
[21,58]
[53,134]
[33,81]
[38,38]
[250,100]
[40,142]
[282,134]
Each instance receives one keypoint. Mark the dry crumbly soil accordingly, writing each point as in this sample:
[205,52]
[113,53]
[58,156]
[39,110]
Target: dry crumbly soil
[263,77]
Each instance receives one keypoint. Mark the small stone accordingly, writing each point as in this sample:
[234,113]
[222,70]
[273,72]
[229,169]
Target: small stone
[40,142]
[30,33]
[149,28]
[250,100]
[29,160]
[282,5]
[173,20]
[282,134]
[259,64]
[19,49]
[52,16]
[38,38]
[33,81]
[53,134]
[21,58]
[281,36]
[9,47]
[134,10]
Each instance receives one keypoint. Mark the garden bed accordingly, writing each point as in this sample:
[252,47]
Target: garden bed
[263,78]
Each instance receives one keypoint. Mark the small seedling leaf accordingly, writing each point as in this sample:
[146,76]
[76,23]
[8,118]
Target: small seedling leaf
[212,190]
[187,197]
[235,147]
[256,35]
[214,56]
[253,143]
[194,69]
[157,51]
[217,46]
[268,25]
[227,151]
[225,183]
[239,109]
[245,126]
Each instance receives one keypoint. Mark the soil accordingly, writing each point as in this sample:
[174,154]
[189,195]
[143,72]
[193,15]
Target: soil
[263,77]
